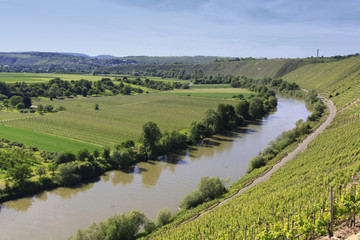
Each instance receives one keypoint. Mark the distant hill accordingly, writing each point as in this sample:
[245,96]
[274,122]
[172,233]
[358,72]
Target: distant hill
[52,58]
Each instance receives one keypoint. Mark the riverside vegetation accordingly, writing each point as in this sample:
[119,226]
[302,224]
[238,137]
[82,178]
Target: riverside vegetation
[210,189]
[69,168]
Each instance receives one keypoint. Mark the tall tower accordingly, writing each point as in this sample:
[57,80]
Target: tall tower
[317,53]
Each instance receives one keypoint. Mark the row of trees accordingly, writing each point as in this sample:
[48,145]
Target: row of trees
[157,85]
[288,137]
[57,87]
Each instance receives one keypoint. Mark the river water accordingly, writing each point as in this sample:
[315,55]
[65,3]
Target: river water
[150,187]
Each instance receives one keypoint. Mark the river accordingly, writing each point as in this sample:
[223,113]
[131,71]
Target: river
[152,186]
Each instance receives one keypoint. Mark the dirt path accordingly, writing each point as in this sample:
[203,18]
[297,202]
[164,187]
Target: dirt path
[301,147]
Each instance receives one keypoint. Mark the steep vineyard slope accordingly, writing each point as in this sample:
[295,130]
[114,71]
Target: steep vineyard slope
[330,160]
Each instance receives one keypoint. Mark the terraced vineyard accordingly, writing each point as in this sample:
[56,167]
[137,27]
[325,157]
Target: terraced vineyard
[119,117]
[330,160]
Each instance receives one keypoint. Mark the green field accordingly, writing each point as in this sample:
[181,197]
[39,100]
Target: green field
[210,92]
[119,117]
[44,77]
[197,86]
[43,141]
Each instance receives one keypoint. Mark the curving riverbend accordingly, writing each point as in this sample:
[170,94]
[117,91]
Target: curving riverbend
[152,186]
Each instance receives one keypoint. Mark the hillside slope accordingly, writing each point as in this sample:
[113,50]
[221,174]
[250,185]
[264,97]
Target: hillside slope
[330,160]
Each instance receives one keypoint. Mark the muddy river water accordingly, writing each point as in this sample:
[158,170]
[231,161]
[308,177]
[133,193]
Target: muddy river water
[151,186]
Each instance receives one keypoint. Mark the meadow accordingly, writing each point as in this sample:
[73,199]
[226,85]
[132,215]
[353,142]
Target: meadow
[43,141]
[212,92]
[119,117]
[44,77]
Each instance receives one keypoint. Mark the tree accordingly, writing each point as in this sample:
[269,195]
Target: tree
[20,106]
[124,227]
[256,108]
[40,108]
[68,173]
[15,100]
[67,93]
[163,217]
[54,90]
[273,101]
[126,90]
[52,167]
[150,137]
[197,131]
[242,108]
[40,170]
[20,172]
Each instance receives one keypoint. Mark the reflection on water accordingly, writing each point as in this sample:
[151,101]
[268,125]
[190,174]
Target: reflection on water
[67,193]
[21,205]
[120,177]
[149,186]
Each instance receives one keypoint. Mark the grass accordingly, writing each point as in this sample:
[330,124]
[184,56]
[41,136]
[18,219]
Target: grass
[119,117]
[197,86]
[44,77]
[210,92]
[43,141]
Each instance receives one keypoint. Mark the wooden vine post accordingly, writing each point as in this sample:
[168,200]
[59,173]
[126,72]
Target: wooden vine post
[331,224]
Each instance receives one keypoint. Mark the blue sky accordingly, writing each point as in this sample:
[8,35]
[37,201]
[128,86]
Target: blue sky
[236,28]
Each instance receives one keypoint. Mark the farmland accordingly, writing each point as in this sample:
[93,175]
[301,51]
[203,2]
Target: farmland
[44,77]
[210,93]
[119,117]
[43,141]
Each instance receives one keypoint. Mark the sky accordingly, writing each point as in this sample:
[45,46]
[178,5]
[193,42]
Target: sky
[229,28]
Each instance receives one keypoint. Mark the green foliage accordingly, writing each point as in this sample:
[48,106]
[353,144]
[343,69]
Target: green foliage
[68,174]
[256,108]
[65,157]
[15,100]
[163,217]
[20,106]
[124,227]
[208,189]
[242,108]
[20,172]
[172,141]
[40,170]
[150,137]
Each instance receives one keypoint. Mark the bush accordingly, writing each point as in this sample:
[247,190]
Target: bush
[65,157]
[124,227]
[207,190]
[256,162]
[163,217]
[20,106]
[68,174]
[149,227]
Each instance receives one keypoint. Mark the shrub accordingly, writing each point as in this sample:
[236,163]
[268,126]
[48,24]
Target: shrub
[163,217]
[20,106]
[68,174]
[256,162]
[207,190]
[65,157]
[124,227]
